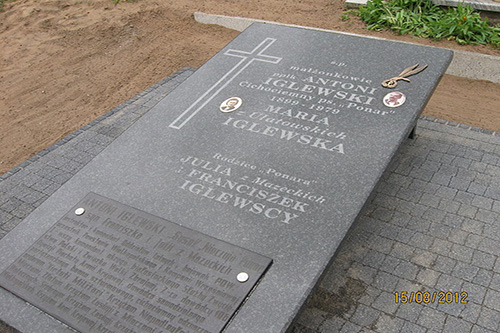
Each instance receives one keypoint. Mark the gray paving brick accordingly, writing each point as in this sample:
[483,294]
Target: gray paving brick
[492,231]
[453,220]
[383,200]
[441,246]
[11,204]
[380,244]
[447,170]
[483,260]
[362,272]
[432,319]
[374,259]
[364,316]
[457,150]
[479,329]
[492,170]
[458,236]
[406,270]
[477,188]
[10,224]
[451,309]
[496,206]
[489,319]
[461,162]
[421,241]
[419,224]
[390,263]
[400,219]
[49,190]
[390,231]
[423,186]
[33,197]
[473,241]
[399,180]
[413,328]
[487,216]
[386,188]
[483,277]
[435,156]
[490,246]
[489,158]
[20,191]
[482,202]
[332,325]
[409,312]
[350,327]
[444,264]
[42,184]
[493,192]
[478,166]
[409,195]
[402,251]
[4,216]
[460,183]
[466,173]
[495,282]
[311,318]
[454,325]
[423,258]
[369,295]
[389,324]
[449,206]
[474,154]
[449,283]
[22,210]
[496,268]
[464,197]
[421,174]
[492,299]
[473,226]
[439,230]
[475,293]
[382,214]
[461,253]
[385,281]
[465,271]
[441,179]
[429,200]
[428,277]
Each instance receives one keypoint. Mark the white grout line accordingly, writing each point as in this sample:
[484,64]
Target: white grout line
[465,64]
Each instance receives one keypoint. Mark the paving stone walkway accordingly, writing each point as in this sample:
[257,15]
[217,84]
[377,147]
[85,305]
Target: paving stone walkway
[432,227]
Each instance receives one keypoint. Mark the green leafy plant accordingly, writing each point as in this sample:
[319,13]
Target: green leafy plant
[422,18]
[346,15]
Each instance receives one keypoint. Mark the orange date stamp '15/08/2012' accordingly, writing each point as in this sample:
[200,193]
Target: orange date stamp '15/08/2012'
[427,297]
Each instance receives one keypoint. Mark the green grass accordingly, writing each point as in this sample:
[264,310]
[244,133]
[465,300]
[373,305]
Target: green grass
[424,19]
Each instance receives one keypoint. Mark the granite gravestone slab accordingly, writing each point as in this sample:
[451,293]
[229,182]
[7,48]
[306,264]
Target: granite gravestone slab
[273,146]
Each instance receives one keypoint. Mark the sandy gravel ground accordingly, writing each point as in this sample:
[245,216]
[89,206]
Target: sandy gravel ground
[64,63]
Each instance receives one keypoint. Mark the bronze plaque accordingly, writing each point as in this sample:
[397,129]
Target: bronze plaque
[108,267]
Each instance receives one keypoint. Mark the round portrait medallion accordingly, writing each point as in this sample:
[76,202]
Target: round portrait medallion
[231,104]
[394,99]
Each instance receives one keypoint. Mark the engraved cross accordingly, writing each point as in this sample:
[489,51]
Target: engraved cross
[246,59]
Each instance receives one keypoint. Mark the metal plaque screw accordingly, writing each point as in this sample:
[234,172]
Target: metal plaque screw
[242,277]
[79,211]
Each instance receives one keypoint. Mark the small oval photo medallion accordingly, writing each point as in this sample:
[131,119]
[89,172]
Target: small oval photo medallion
[231,104]
[394,99]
